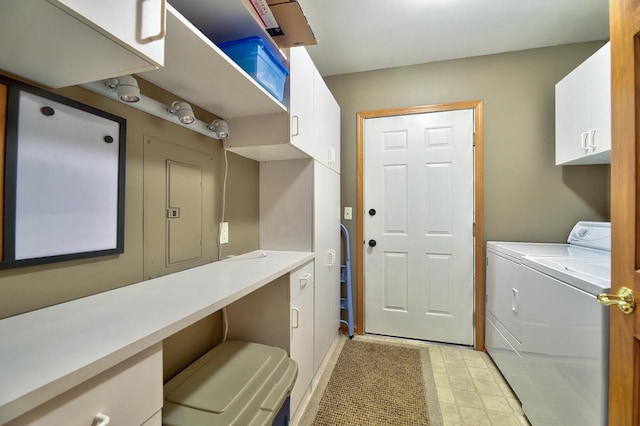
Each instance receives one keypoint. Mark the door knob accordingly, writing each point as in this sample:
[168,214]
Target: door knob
[372,212]
[372,243]
[624,299]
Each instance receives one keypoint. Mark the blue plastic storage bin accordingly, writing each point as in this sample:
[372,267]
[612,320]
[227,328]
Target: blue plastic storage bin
[253,56]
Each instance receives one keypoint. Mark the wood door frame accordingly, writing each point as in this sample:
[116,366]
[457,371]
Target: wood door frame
[477,107]
[624,352]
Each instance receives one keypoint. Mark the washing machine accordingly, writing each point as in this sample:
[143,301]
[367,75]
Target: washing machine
[545,330]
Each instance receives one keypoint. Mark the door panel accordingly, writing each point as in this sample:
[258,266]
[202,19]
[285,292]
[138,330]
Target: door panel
[439,207]
[395,199]
[439,284]
[419,179]
[396,283]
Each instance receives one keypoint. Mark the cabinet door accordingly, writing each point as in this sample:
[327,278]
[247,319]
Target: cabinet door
[600,100]
[583,112]
[301,74]
[59,48]
[327,262]
[302,337]
[572,116]
[327,129]
[137,26]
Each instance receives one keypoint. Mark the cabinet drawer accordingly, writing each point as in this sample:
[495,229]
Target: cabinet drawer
[301,278]
[129,393]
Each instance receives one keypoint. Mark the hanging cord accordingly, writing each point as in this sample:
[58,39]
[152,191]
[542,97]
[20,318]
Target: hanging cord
[224,196]
[225,322]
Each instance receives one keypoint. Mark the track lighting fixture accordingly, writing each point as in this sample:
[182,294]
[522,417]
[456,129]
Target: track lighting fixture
[183,111]
[217,129]
[220,129]
[126,87]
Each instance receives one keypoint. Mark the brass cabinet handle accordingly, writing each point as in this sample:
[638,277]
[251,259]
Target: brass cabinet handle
[624,299]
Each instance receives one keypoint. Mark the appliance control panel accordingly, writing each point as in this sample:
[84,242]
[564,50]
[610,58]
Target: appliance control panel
[595,235]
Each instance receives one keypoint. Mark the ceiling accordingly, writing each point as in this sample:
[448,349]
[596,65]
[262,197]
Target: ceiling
[361,35]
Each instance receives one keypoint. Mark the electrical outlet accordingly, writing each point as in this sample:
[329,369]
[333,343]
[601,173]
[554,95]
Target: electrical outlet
[348,213]
[224,232]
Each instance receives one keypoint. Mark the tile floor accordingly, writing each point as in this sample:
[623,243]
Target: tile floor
[471,390]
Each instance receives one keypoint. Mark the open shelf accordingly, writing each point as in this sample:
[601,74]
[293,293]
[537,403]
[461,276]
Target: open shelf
[197,71]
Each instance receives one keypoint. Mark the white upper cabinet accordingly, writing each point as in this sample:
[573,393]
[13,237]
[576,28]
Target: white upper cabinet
[60,43]
[310,130]
[326,133]
[301,99]
[270,137]
[137,26]
[583,112]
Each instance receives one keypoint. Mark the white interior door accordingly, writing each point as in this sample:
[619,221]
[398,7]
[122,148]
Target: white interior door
[418,177]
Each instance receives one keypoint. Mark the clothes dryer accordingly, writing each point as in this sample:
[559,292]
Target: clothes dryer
[544,328]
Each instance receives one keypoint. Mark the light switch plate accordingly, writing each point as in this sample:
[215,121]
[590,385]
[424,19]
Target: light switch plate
[348,213]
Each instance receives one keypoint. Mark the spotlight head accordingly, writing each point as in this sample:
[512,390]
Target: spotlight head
[220,128]
[183,111]
[126,87]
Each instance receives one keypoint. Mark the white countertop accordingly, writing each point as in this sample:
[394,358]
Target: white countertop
[46,352]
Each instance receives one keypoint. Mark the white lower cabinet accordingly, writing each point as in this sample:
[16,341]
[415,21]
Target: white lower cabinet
[326,245]
[128,394]
[301,349]
[300,210]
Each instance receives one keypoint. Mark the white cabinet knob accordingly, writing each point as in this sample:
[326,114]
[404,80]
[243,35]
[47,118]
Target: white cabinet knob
[331,258]
[101,420]
[331,156]
[295,130]
[304,280]
[592,138]
[584,140]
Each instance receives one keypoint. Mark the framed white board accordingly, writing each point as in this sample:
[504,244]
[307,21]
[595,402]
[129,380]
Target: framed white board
[64,179]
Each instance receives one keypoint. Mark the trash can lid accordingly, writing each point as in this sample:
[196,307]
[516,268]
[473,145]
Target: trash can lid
[232,378]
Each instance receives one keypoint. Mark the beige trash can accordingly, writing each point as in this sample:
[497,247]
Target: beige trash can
[236,383]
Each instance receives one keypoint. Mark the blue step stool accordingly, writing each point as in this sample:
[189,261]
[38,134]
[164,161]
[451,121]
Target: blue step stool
[346,303]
